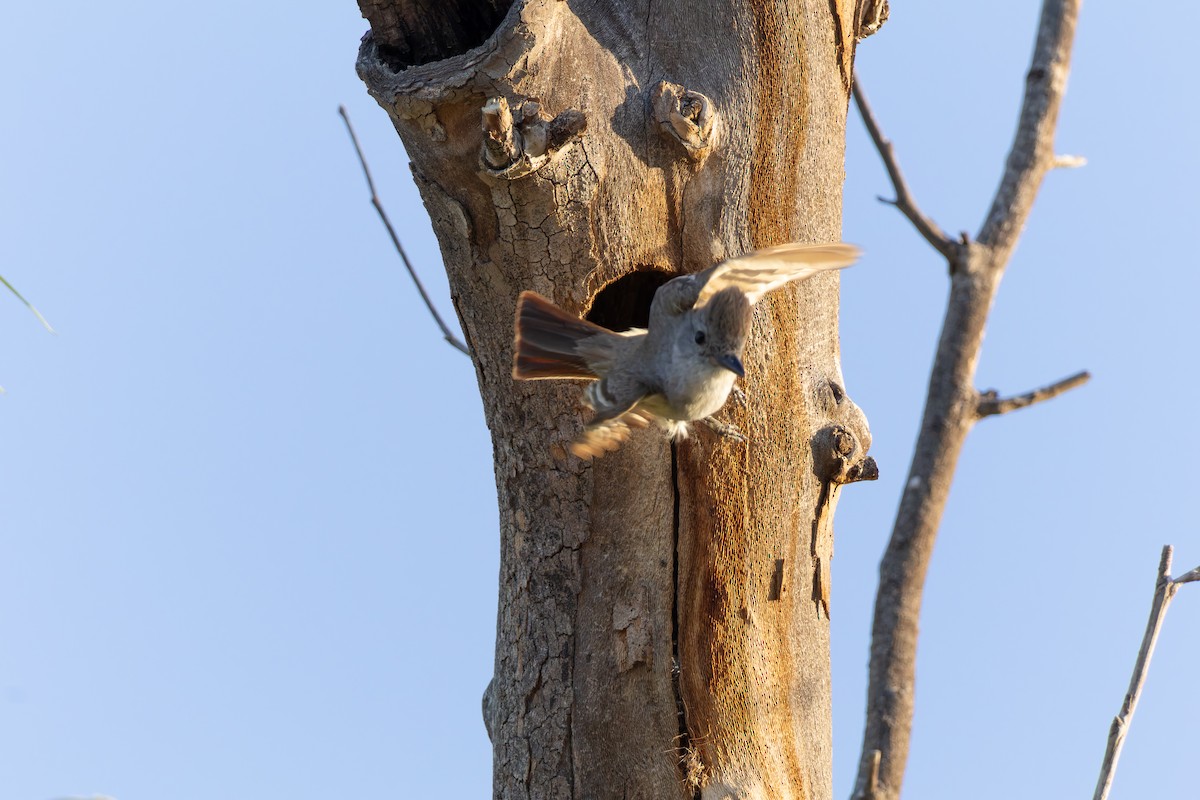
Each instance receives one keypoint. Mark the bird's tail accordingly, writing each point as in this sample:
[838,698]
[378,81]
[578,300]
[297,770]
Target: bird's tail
[547,341]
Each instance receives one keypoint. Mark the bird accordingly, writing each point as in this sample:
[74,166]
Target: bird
[680,368]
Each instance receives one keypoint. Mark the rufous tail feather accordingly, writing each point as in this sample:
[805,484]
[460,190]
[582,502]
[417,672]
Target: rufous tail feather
[546,340]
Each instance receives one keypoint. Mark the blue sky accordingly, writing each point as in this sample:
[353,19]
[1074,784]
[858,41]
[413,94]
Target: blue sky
[249,542]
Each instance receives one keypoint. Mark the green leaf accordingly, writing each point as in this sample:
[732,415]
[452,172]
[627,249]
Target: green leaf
[28,305]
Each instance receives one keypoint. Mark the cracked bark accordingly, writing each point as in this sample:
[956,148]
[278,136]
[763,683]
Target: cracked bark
[611,572]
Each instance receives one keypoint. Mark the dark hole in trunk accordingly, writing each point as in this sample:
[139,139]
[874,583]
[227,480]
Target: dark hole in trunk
[411,32]
[625,303]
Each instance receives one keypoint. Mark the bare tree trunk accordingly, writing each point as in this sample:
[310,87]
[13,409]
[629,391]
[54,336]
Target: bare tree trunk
[663,621]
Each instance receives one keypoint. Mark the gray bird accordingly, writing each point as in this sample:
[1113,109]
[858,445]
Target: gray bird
[679,369]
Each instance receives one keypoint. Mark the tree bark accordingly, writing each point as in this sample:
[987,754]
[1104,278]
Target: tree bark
[663,615]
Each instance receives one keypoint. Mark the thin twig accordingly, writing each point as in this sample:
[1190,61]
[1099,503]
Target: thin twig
[1063,161]
[990,404]
[387,223]
[1164,591]
[904,199]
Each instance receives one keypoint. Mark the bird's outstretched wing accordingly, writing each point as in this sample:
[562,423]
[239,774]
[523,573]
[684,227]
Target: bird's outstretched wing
[763,270]
[605,435]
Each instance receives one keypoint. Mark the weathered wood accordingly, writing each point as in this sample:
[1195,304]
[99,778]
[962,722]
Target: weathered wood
[659,555]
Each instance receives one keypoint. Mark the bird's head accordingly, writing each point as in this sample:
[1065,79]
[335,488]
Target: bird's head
[721,328]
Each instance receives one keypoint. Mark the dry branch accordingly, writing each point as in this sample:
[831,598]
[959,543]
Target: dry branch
[991,404]
[952,405]
[904,200]
[1164,591]
[387,223]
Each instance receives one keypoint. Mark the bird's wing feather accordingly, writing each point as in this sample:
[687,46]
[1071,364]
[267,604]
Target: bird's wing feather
[764,270]
[616,414]
[604,436]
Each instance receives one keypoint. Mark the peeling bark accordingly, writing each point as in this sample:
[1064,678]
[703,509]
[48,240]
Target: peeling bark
[649,644]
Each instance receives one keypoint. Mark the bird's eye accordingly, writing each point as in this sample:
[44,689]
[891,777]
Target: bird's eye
[700,337]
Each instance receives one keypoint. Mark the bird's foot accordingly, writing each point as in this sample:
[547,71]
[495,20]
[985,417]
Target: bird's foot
[725,429]
[738,396]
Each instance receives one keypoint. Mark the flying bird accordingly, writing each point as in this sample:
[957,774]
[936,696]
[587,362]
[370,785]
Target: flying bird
[679,369]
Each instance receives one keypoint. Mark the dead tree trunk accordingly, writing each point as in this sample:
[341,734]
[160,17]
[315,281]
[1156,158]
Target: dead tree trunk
[663,622]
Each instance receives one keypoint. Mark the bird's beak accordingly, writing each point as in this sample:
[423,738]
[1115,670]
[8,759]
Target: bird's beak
[732,363]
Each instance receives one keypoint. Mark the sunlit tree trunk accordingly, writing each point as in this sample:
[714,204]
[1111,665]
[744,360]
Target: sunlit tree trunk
[663,611]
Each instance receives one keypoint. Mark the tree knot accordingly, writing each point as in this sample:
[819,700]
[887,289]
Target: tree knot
[520,140]
[688,117]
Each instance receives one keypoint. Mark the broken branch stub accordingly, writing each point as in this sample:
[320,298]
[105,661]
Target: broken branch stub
[687,117]
[872,15]
[519,143]
[840,456]
[840,449]
[839,453]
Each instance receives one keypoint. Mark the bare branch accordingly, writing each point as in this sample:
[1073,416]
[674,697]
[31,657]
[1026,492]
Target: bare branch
[387,223]
[1164,592]
[1032,153]
[990,404]
[1189,577]
[904,200]
[952,404]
